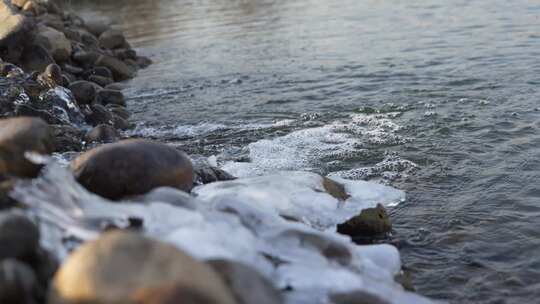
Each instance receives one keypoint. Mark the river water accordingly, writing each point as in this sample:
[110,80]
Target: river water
[437,98]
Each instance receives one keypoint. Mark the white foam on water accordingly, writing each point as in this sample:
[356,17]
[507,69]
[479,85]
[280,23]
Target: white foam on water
[313,148]
[240,220]
[201,129]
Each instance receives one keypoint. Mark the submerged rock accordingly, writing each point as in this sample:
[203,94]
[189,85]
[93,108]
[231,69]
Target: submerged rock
[132,167]
[370,222]
[20,135]
[124,267]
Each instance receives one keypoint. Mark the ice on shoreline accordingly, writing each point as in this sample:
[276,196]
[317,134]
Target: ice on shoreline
[240,220]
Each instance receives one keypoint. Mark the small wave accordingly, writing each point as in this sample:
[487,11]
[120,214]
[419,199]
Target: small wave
[314,148]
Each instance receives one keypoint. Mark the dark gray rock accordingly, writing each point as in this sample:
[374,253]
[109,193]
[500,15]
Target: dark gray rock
[100,80]
[143,62]
[83,91]
[120,123]
[36,58]
[102,134]
[96,27]
[120,70]
[112,39]
[19,237]
[356,297]
[99,115]
[67,138]
[119,111]
[205,174]
[18,284]
[106,97]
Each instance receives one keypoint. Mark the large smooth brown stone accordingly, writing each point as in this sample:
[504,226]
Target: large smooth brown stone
[20,135]
[132,167]
[127,268]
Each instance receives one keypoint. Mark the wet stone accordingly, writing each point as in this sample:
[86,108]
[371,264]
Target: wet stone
[100,80]
[371,222]
[98,115]
[19,237]
[18,283]
[83,91]
[106,97]
[132,167]
[102,133]
[20,135]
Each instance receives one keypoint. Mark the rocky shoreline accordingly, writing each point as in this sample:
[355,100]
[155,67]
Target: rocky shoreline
[60,91]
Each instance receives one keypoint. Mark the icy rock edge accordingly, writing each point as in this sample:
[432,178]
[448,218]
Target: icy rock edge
[241,220]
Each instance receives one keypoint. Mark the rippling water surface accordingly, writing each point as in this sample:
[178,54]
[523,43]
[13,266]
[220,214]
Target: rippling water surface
[438,98]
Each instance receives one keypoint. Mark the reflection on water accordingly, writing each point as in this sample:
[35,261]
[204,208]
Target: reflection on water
[460,77]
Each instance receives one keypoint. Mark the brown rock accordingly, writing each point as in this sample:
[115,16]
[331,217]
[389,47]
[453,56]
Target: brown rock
[19,3]
[123,267]
[20,135]
[36,58]
[335,189]
[132,167]
[16,32]
[370,222]
[33,8]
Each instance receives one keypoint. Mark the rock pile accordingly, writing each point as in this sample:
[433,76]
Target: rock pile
[56,66]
